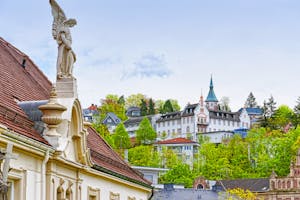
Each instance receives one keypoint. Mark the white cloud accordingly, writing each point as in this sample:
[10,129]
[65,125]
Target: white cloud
[149,65]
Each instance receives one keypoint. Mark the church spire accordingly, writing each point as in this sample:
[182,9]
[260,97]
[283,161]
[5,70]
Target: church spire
[211,97]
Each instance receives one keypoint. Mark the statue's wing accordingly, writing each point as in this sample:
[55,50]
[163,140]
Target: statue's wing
[58,17]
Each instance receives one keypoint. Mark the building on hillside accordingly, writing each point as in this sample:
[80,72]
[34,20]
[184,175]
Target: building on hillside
[49,152]
[91,113]
[132,124]
[111,121]
[255,114]
[217,137]
[202,117]
[184,148]
[133,111]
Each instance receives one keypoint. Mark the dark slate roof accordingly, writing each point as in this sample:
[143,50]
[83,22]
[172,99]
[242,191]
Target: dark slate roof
[211,97]
[169,116]
[31,108]
[189,110]
[116,120]
[135,120]
[184,194]
[231,116]
[88,111]
[132,109]
[254,185]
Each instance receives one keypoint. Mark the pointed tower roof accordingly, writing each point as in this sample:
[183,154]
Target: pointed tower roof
[211,97]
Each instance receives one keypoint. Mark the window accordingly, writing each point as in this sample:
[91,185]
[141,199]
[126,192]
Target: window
[179,130]
[228,123]
[173,122]
[214,121]
[158,125]
[187,129]
[93,193]
[168,123]
[187,120]
[219,121]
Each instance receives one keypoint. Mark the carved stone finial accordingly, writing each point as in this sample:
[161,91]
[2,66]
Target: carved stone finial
[52,113]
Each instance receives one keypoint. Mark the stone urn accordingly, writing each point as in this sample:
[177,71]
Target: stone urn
[52,112]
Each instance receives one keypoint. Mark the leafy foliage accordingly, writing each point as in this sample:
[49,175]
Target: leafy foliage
[262,151]
[179,174]
[145,133]
[238,193]
[144,156]
[121,137]
[110,104]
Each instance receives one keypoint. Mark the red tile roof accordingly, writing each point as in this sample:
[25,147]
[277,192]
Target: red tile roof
[177,141]
[103,156]
[30,84]
[18,83]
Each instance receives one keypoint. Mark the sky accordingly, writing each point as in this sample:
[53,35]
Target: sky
[168,49]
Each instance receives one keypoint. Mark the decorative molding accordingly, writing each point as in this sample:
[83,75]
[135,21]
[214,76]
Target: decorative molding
[114,196]
[93,193]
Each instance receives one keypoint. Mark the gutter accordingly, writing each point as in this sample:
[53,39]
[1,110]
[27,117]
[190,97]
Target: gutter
[152,193]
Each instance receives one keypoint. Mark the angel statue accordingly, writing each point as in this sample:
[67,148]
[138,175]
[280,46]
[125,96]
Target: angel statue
[61,33]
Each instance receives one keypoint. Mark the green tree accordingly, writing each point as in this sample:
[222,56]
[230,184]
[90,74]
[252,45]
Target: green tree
[167,107]
[121,100]
[296,116]
[151,107]
[110,104]
[281,117]
[144,156]
[144,108]
[134,100]
[179,174]
[121,137]
[251,101]
[175,105]
[169,158]
[159,104]
[271,106]
[145,133]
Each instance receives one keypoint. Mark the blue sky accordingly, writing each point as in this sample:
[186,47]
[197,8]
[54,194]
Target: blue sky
[168,49]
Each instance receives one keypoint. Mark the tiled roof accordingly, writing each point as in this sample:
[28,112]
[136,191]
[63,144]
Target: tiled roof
[254,185]
[177,141]
[20,80]
[21,91]
[109,161]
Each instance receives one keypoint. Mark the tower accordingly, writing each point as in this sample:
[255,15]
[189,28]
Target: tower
[211,99]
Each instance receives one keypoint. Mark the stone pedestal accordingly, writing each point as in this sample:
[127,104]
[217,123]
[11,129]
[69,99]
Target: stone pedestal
[66,88]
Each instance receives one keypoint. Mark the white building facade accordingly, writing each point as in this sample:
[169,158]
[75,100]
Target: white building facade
[203,117]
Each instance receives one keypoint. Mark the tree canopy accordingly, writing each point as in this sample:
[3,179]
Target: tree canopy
[251,101]
[145,133]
